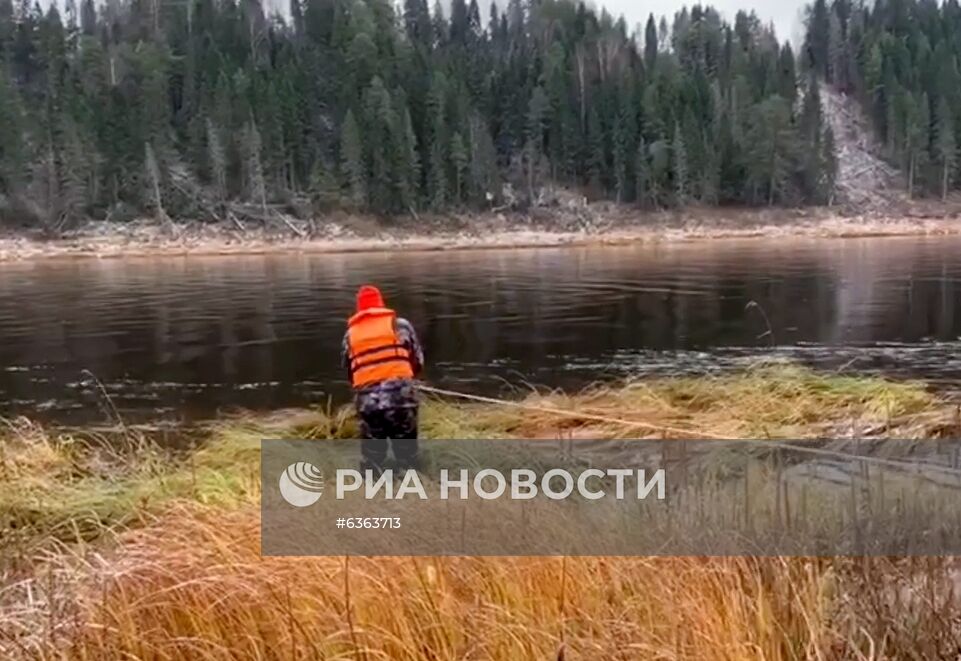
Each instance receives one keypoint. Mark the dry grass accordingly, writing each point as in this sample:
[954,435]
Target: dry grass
[192,584]
[769,401]
[126,551]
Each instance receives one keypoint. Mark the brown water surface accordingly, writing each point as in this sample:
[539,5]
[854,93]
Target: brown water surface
[182,337]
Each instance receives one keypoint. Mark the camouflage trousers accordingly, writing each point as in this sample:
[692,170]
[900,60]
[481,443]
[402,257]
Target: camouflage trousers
[388,420]
[395,428]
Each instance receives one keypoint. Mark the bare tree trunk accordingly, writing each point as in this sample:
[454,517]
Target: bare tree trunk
[581,84]
[770,192]
[944,181]
[911,176]
[530,174]
[153,176]
[155,10]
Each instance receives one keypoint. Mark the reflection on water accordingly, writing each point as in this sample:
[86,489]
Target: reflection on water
[183,336]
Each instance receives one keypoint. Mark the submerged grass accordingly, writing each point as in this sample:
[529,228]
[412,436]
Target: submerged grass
[72,485]
[162,559]
[769,401]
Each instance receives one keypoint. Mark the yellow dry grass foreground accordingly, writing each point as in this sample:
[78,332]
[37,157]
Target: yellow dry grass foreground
[115,549]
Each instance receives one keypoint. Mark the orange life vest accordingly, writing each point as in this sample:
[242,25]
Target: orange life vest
[376,353]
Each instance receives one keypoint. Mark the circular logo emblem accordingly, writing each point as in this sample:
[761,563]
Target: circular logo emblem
[302,484]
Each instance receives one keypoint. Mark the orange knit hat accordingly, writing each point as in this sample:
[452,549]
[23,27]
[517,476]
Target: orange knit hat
[369,296]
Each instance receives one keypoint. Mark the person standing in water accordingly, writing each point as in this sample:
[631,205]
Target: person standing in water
[382,356]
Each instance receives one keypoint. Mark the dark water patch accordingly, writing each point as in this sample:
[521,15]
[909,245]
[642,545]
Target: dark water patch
[187,337]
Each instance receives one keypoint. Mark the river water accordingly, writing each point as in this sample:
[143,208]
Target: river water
[181,338]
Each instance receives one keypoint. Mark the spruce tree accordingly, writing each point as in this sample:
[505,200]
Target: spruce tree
[917,127]
[679,166]
[596,157]
[458,157]
[829,168]
[773,150]
[641,174]
[410,164]
[352,162]
[12,150]
[483,162]
[946,146]
[253,164]
[217,157]
[537,112]
[650,43]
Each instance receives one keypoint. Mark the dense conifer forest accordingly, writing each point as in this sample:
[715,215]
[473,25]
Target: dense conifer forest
[204,108]
[899,58]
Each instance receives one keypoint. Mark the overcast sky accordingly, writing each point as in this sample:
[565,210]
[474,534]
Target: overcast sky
[785,14]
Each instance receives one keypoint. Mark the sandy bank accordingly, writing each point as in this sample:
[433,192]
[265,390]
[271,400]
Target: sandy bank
[592,225]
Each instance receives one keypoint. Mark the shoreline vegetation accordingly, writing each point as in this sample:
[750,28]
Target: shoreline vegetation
[116,547]
[591,225]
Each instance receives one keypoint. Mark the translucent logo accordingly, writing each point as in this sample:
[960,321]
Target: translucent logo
[302,484]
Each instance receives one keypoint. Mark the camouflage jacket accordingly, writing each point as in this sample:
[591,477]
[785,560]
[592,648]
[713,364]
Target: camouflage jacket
[393,393]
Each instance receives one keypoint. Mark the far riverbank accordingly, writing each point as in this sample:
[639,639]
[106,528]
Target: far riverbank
[544,227]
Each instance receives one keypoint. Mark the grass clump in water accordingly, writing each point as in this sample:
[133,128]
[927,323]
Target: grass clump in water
[72,485]
[769,401]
